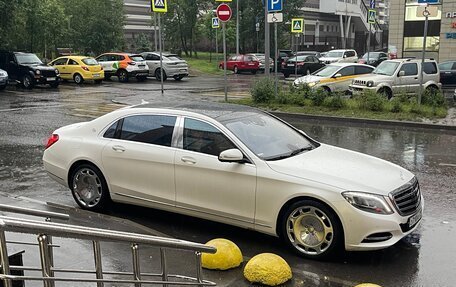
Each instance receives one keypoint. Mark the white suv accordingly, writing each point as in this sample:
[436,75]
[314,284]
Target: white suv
[173,65]
[399,76]
[340,56]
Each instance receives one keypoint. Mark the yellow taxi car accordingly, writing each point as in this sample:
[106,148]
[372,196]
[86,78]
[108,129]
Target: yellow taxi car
[335,77]
[79,69]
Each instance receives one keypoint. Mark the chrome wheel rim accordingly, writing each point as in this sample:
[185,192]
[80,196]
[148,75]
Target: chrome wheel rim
[87,187]
[123,76]
[27,82]
[77,79]
[310,230]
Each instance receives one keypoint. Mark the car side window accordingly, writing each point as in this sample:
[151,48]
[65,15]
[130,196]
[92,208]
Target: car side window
[446,66]
[60,62]
[204,138]
[119,58]
[151,129]
[347,71]
[410,69]
[430,68]
[111,131]
[233,58]
[103,58]
[360,70]
[72,62]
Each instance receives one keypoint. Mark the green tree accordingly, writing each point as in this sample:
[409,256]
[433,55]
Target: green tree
[142,43]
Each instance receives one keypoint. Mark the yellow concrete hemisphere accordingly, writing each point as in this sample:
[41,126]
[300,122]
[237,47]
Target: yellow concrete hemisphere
[228,255]
[367,285]
[268,269]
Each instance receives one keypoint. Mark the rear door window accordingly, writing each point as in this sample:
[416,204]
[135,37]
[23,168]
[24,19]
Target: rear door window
[151,129]
[347,71]
[410,69]
[360,70]
[446,66]
[72,62]
[430,68]
[102,58]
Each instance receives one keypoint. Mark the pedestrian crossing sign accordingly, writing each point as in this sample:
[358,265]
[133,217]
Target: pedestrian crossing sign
[297,25]
[215,23]
[159,6]
[371,16]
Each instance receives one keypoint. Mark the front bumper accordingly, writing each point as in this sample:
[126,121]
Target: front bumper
[3,81]
[356,89]
[41,79]
[360,227]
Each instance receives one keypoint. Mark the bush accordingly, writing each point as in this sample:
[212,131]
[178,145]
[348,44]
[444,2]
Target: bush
[318,96]
[396,106]
[334,102]
[291,99]
[433,97]
[371,101]
[263,90]
[416,109]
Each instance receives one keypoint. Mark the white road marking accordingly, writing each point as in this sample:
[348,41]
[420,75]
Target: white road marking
[447,164]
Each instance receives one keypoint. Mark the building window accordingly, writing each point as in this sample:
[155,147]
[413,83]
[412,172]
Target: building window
[411,13]
[416,43]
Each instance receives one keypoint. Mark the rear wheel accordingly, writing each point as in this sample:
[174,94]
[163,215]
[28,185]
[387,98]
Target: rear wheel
[236,70]
[78,79]
[88,187]
[312,229]
[158,75]
[123,76]
[27,82]
[2,87]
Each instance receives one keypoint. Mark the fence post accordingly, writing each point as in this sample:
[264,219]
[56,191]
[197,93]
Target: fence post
[4,259]
[43,243]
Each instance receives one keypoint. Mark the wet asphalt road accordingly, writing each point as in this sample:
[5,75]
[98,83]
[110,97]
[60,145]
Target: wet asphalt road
[424,259]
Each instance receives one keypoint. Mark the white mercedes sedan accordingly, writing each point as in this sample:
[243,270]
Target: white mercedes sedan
[240,166]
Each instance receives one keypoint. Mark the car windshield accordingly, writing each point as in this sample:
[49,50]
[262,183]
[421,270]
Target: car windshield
[90,61]
[136,58]
[334,54]
[28,59]
[371,55]
[326,71]
[386,68]
[267,137]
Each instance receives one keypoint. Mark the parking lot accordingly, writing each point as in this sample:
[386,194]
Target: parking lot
[422,259]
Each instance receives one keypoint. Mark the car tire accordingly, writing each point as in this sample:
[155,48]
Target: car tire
[236,70]
[78,79]
[27,82]
[123,76]
[386,93]
[107,77]
[327,90]
[158,75]
[2,87]
[321,234]
[89,188]
[178,78]
[98,82]
[55,84]
[141,78]
[432,91]
[253,72]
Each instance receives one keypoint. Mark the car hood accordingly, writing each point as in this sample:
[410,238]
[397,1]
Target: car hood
[344,169]
[308,79]
[375,78]
[41,67]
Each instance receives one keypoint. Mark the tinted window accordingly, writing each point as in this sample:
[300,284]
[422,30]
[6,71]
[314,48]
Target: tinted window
[446,66]
[204,138]
[60,62]
[90,61]
[152,57]
[119,58]
[359,70]
[149,129]
[430,68]
[137,58]
[103,58]
[72,62]
[111,131]
[410,69]
[347,71]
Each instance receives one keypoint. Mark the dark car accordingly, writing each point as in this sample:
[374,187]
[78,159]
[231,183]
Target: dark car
[309,53]
[375,58]
[3,79]
[283,56]
[305,65]
[27,69]
[448,73]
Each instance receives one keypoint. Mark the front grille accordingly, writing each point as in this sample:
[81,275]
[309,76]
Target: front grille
[407,199]
[46,73]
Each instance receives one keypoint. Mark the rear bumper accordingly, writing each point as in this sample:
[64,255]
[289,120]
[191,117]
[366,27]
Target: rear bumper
[138,73]
[93,75]
[176,72]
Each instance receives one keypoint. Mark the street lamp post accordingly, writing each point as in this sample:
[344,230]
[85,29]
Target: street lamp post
[237,27]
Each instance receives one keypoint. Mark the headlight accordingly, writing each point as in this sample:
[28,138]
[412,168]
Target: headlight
[312,84]
[370,84]
[38,72]
[368,202]
[57,72]
[3,74]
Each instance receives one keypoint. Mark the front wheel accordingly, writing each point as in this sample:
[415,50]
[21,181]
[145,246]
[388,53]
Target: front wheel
[312,229]
[386,93]
[27,82]
[89,188]
[286,75]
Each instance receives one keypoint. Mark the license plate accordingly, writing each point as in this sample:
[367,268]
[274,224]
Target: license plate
[51,79]
[96,75]
[183,70]
[290,65]
[414,219]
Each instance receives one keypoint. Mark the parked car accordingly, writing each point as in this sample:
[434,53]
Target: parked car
[262,59]
[448,73]
[239,166]
[242,63]
[79,69]
[173,65]
[283,57]
[27,69]
[304,65]
[124,66]
[309,53]
[399,76]
[375,58]
[3,79]
[334,77]
[340,56]
[323,54]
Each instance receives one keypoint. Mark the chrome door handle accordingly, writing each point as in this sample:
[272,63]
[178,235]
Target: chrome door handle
[188,160]
[118,148]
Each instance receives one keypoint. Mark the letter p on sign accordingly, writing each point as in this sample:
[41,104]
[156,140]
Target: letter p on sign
[274,5]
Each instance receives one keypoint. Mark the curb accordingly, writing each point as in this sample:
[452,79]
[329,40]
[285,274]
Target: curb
[366,121]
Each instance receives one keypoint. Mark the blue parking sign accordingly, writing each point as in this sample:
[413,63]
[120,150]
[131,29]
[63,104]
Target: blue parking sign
[275,5]
[428,1]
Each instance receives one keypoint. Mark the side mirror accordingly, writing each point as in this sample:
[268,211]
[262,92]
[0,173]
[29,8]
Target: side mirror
[12,63]
[337,76]
[231,155]
[345,56]
[401,74]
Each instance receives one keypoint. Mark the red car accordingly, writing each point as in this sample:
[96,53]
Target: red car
[241,63]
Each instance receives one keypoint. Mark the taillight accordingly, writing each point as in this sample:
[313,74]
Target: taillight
[85,68]
[52,140]
[301,64]
[132,63]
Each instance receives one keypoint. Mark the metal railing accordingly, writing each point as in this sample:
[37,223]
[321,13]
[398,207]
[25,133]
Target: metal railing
[46,230]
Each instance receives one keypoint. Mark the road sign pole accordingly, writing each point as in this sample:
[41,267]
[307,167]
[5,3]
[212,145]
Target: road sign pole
[296,56]
[423,55]
[368,43]
[155,32]
[216,45]
[275,61]
[267,52]
[237,27]
[161,53]
[224,62]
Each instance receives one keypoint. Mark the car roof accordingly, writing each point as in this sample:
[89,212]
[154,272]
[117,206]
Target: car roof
[75,57]
[347,64]
[341,50]
[218,111]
